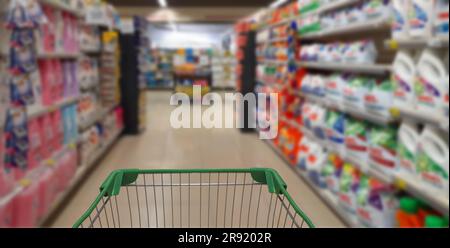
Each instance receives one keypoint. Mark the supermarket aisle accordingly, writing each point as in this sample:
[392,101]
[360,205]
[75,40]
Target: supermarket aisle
[163,147]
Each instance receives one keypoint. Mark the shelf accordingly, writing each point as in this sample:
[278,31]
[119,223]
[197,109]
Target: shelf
[280,23]
[57,4]
[77,179]
[68,56]
[324,195]
[34,112]
[378,69]
[334,6]
[273,62]
[273,40]
[356,113]
[369,26]
[418,116]
[97,117]
[416,43]
[436,199]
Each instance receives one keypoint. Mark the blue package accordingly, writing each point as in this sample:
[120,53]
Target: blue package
[22,54]
[21,90]
[25,14]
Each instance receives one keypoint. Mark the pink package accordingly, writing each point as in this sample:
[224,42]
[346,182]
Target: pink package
[74,85]
[47,191]
[70,163]
[58,130]
[26,207]
[35,139]
[48,30]
[47,81]
[119,117]
[6,212]
[6,182]
[58,86]
[67,78]
[49,133]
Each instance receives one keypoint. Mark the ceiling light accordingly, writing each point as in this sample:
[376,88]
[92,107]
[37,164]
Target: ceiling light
[278,3]
[162,3]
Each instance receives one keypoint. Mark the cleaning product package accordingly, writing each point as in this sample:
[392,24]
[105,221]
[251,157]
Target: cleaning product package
[24,14]
[430,86]
[331,172]
[383,148]
[356,90]
[404,76]
[377,204]
[361,52]
[334,87]
[400,23]
[421,18]
[22,52]
[408,140]
[356,133]
[349,185]
[379,99]
[441,27]
[335,130]
[378,9]
[21,89]
[433,159]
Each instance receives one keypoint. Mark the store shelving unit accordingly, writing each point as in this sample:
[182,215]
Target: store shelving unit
[347,67]
[418,116]
[96,117]
[67,56]
[371,25]
[273,62]
[415,43]
[331,6]
[325,196]
[34,112]
[81,175]
[359,114]
[436,199]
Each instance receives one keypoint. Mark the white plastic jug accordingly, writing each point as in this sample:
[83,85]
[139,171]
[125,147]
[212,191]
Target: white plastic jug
[408,138]
[433,158]
[429,86]
[446,87]
[400,24]
[441,26]
[421,18]
[404,73]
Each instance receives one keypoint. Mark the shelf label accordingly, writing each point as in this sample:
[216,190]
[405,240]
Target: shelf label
[395,112]
[393,44]
[401,184]
[25,182]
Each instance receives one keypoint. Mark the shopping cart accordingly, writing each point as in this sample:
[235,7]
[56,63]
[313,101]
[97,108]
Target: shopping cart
[228,198]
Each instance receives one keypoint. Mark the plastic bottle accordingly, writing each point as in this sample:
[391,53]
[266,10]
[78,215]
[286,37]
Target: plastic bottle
[429,86]
[404,73]
[446,87]
[421,18]
[432,159]
[408,138]
[441,26]
[400,24]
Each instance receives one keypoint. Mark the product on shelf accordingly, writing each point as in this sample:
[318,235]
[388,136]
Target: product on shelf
[88,75]
[441,25]
[400,23]
[433,159]
[90,38]
[359,52]
[408,140]
[335,130]
[421,18]
[348,188]
[383,148]
[356,141]
[415,214]
[26,205]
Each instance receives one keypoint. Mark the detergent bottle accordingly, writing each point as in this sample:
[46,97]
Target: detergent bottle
[315,163]
[441,27]
[334,86]
[383,148]
[433,158]
[379,98]
[429,86]
[318,119]
[408,138]
[356,140]
[335,130]
[446,83]
[404,73]
[421,18]
[400,24]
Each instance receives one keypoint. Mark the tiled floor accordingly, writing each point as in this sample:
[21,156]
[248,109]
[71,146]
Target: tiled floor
[163,147]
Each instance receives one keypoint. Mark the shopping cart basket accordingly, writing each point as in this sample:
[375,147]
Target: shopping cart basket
[228,198]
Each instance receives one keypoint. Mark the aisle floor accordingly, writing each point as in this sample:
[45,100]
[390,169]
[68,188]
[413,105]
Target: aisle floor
[162,147]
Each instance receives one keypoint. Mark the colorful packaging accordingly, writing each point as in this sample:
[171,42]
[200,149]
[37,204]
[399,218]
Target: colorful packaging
[421,18]
[404,76]
[408,140]
[348,186]
[355,92]
[400,24]
[35,154]
[334,88]
[379,99]
[441,26]
[377,204]
[383,148]
[433,159]
[356,133]
[331,173]
[335,130]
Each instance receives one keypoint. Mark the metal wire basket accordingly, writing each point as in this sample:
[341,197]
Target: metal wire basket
[228,198]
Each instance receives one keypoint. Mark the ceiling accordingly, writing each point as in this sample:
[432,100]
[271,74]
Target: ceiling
[193,3]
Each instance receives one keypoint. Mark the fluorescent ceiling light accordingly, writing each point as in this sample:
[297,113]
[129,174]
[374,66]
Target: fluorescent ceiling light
[277,3]
[162,3]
